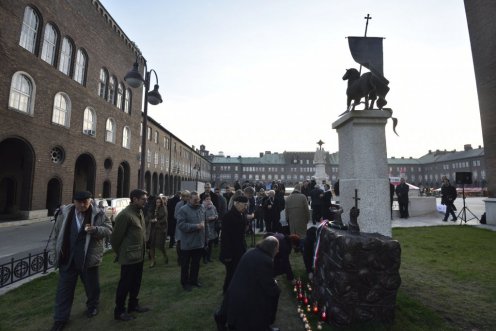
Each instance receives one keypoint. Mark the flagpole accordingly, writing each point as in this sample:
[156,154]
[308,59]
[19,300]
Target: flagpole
[367,18]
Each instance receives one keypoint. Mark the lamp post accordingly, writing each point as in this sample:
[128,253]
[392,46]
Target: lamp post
[135,80]
[197,168]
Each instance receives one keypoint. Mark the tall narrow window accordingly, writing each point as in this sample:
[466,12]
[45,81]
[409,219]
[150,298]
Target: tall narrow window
[21,93]
[111,90]
[65,56]
[89,122]
[102,84]
[120,96]
[49,44]
[110,131]
[80,67]
[61,109]
[127,101]
[126,137]
[29,31]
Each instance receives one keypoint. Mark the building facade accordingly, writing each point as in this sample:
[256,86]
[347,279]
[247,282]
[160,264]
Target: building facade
[294,167]
[69,121]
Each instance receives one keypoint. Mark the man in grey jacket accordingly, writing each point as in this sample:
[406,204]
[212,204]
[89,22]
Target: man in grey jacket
[191,226]
[79,232]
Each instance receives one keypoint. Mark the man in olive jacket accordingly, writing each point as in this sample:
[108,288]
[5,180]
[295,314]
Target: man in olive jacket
[79,232]
[129,243]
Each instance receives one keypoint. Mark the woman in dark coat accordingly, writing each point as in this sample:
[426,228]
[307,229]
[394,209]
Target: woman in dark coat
[252,298]
[156,230]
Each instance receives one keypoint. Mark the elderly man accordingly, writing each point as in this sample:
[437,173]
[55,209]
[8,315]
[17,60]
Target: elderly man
[232,237]
[191,226]
[297,212]
[79,232]
[129,243]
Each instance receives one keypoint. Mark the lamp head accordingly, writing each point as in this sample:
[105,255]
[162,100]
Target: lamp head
[133,77]
[154,96]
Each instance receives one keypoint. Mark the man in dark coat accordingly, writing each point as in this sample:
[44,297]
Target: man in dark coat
[391,193]
[316,196]
[171,207]
[251,301]
[208,191]
[402,194]
[326,202]
[232,237]
[448,196]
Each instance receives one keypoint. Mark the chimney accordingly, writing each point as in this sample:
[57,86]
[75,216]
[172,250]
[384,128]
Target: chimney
[480,146]
[467,147]
[430,151]
[261,154]
[267,152]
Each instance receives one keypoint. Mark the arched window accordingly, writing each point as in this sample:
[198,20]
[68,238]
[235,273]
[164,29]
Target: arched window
[111,90]
[120,96]
[102,84]
[89,122]
[50,39]
[22,93]
[127,102]
[29,32]
[61,109]
[110,130]
[65,56]
[126,137]
[80,67]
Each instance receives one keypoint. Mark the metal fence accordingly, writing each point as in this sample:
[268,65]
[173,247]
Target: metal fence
[19,269]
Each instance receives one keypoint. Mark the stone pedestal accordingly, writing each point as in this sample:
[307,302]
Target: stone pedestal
[490,210]
[356,276]
[363,166]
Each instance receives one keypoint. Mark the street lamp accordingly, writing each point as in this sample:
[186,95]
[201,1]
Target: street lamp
[135,80]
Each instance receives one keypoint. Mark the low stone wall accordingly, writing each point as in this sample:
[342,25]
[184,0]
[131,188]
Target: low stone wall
[29,214]
[356,277]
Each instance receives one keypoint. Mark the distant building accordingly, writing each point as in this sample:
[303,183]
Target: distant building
[294,167]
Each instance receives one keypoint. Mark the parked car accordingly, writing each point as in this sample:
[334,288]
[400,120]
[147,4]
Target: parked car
[113,206]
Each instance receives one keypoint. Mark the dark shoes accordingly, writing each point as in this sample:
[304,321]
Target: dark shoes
[58,326]
[125,317]
[138,309]
[197,284]
[187,288]
[453,220]
[91,312]
[445,220]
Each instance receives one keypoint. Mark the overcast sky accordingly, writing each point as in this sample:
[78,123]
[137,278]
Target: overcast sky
[249,76]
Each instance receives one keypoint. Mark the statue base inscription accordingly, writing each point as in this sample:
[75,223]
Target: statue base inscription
[356,276]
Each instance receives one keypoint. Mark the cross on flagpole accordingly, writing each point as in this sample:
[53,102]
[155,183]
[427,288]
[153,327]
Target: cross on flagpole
[356,198]
[368,17]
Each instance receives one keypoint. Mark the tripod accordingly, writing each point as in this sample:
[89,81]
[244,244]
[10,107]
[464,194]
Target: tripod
[464,210]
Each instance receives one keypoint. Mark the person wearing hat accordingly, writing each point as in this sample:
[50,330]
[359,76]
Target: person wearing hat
[80,230]
[232,237]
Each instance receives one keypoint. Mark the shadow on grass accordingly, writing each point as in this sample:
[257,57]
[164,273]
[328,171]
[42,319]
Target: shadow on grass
[448,283]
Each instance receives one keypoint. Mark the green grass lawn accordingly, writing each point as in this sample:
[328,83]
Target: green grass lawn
[448,283]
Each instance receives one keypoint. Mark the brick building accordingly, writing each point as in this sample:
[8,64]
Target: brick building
[294,167]
[69,121]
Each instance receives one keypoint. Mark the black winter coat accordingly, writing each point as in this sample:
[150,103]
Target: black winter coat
[253,294]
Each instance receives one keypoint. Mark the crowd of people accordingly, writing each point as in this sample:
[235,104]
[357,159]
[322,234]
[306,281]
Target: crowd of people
[194,223]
